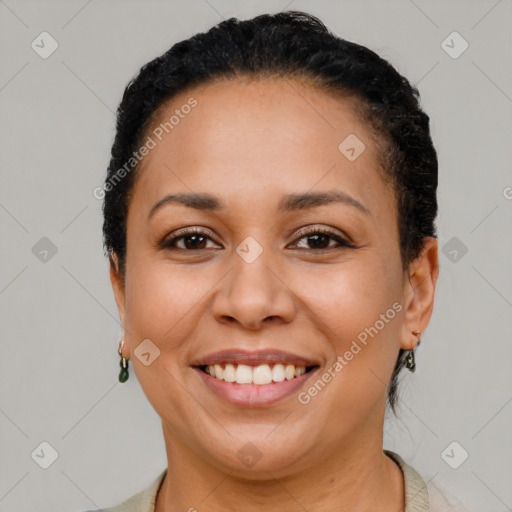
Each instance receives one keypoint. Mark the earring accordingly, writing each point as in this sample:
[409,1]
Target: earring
[410,362]
[123,363]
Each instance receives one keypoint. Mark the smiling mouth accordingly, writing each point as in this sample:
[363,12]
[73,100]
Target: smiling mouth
[259,375]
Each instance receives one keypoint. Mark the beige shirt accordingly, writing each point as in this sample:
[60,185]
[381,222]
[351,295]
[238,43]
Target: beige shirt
[416,494]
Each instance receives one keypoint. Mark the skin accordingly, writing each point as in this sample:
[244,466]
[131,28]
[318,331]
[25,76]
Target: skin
[249,143]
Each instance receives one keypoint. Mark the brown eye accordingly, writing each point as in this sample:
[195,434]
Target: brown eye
[318,241]
[189,239]
[314,238]
[194,241]
[321,239]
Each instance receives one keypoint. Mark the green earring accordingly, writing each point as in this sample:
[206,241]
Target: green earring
[410,362]
[123,363]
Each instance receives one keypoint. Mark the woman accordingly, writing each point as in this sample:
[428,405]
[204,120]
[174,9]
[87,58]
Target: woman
[269,216]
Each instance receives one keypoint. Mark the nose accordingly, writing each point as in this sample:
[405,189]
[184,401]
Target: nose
[254,294]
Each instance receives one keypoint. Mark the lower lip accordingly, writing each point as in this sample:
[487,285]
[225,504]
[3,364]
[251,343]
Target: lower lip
[253,395]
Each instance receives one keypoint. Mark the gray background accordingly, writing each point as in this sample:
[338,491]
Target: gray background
[59,324]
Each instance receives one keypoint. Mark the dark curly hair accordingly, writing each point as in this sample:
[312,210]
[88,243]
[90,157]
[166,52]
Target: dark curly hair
[298,45]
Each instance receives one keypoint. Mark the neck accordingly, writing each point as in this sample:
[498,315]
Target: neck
[357,477]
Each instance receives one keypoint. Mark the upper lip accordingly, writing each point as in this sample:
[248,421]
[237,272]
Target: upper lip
[253,357]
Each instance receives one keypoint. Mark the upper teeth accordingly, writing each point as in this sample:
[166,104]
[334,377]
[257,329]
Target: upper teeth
[262,374]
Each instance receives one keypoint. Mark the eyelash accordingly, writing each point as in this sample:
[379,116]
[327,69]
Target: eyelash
[343,243]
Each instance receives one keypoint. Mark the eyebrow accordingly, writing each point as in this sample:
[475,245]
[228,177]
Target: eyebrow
[288,203]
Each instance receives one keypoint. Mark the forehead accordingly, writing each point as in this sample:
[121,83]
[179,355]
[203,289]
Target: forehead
[258,139]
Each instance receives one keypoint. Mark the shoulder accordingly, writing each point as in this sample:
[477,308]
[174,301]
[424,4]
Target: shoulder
[415,488]
[143,501]
[420,497]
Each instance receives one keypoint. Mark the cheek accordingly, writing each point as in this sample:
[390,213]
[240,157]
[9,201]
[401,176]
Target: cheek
[353,297]
[360,313]
[160,301]
[161,305]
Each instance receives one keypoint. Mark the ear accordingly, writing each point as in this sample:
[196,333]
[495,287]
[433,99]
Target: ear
[117,285]
[419,293]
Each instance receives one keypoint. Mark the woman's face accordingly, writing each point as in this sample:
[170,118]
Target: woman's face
[256,287]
